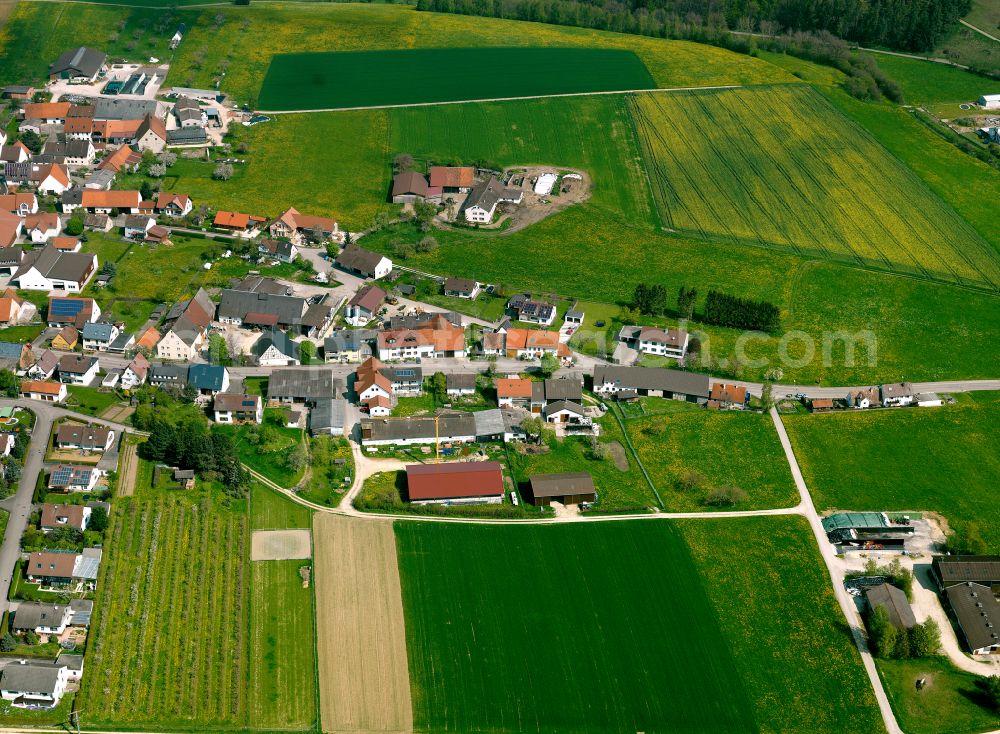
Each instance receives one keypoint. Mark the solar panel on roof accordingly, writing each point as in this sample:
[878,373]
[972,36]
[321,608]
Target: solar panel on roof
[405,373]
[68,308]
[62,476]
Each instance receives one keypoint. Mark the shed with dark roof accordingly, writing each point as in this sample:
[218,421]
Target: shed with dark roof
[570,488]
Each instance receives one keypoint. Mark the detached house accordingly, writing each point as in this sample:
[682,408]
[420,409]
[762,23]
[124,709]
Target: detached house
[238,408]
[533,344]
[301,228]
[20,204]
[84,438]
[49,269]
[135,373]
[364,306]
[99,336]
[276,349]
[898,394]
[75,369]
[51,179]
[531,311]
[72,478]
[730,397]
[363,262]
[64,516]
[70,311]
[40,617]
[48,392]
[651,340]
[349,345]
[42,227]
[173,205]
[281,250]
[34,685]
[461,288]
[514,392]
[481,203]
[435,339]
[209,379]
[245,224]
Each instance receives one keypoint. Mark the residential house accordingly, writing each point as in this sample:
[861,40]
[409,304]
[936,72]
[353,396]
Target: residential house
[97,222]
[671,343]
[10,257]
[183,342]
[302,228]
[66,340]
[209,379]
[98,336]
[14,309]
[123,159]
[405,380]
[328,417]
[42,227]
[188,113]
[78,65]
[897,394]
[75,369]
[533,344]
[728,397]
[44,367]
[49,269]
[371,385]
[33,684]
[50,179]
[452,179]
[149,339]
[627,382]
[364,263]
[64,569]
[245,224]
[106,202]
[364,305]
[173,205]
[514,392]
[151,135]
[73,436]
[21,204]
[168,376]
[238,408]
[10,228]
[72,311]
[135,373]
[67,244]
[460,384]
[73,478]
[276,349]
[526,309]
[349,345]
[435,339]
[47,113]
[137,225]
[481,203]
[16,152]
[864,398]
[64,516]
[42,618]
[461,287]
[73,152]
[49,392]
[282,250]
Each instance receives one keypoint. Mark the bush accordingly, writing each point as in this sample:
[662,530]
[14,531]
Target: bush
[725,497]
[223,172]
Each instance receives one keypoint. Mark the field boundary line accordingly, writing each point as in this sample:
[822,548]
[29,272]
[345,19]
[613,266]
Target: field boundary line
[978,30]
[635,454]
[494,99]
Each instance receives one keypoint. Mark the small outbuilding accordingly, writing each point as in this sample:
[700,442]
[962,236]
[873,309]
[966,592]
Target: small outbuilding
[569,489]
[894,601]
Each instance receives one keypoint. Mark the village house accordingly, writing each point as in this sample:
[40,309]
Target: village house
[75,369]
[42,618]
[16,152]
[135,373]
[73,152]
[461,288]
[137,225]
[188,113]
[303,228]
[208,379]
[15,356]
[51,179]
[73,436]
[64,516]
[148,340]
[33,684]
[47,113]
[514,392]
[434,339]
[98,336]
[151,135]
[67,244]
[897,394]
[276,349]
[183,342]
[671,343]
[42,227]
[49,392]
[10,228]
[44,367]
[173,205]
[97,222]
[364,305]
[460,384]
[238,408]
[123,159]
[364,263]
[72,311]
[61,569]
[531,311]
[14,309]
[280,250]
[303,385]
[532,344]
[405,380]
[481,203]
[244,224]
[349,345]
[728,397]
[80,65]
[168,376]
[864,398]
[106,202]
[21,204]
[374,389]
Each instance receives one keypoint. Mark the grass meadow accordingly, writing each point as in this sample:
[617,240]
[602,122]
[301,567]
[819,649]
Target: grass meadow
[264,448]
[818,185]
[929,83]
[169,643]
[594,134]
[610,622]
[950,703]
[729,449]
[940,459]
[283,648]
[781,624]
[413,76]
[270,510]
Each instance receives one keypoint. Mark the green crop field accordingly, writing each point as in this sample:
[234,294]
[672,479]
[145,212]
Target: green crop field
[270,510]
[599,617]
[779,167]
[925,82]
[283,648]
[941,459]
[609,621]
[415,76]
[729,449]
[594,134]
[168,645]
[783,627]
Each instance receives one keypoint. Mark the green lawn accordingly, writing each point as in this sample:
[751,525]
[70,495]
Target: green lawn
[414,76]
[778,618]
[328,481]
[535,132]
[950,703]
[779,167]
[21,334]
[282,687]
[269,510]
[90,400]
[169,643]
[941,459]
[729,449]
[267,454]
[626,630]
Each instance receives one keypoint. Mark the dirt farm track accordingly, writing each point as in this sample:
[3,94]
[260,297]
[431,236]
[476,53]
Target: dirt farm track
[363,674]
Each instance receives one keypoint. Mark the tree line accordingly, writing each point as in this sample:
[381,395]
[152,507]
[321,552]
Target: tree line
[908,25]
[721,309]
